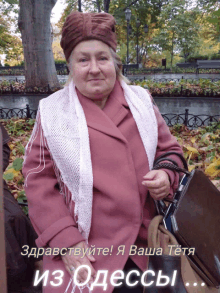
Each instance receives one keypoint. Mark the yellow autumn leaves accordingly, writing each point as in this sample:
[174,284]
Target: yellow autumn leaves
[10,173]
[214,168]
[19,131]
[201,149]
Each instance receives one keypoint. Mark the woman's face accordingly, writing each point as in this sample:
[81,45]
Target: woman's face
[93,69]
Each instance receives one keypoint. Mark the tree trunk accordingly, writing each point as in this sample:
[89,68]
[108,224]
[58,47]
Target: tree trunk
[98,5]
[106,5]
[172,51]
[34,24]
[79,6]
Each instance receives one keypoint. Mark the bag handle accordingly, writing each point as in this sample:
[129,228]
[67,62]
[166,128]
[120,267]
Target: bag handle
[172,153]
[170,167]
[167,159]
[160,204]
[174,166]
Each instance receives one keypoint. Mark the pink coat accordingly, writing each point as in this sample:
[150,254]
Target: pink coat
[122,208]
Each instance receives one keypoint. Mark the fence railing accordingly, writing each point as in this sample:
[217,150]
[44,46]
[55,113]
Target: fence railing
[187,119]
[190,120]
[26,113]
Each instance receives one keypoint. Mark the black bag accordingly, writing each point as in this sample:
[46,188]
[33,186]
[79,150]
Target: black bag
[193,217]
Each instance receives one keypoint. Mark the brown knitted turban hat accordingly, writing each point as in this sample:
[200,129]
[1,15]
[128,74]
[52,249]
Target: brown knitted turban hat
[86,26]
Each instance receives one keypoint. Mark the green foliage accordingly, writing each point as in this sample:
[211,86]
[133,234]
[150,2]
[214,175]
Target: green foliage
[8,176]
[7,6]
[148,12]
[57,61]
[215,56]
[23,199]
[200,146]
[194,58]
[5,36]
[10,44]
[15,52]
[174,29]
[214,19]
[19,126]
[201,87]
[179,30]
[17,164]
[21,63]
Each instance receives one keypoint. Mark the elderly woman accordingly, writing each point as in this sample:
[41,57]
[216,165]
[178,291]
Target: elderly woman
[88,163]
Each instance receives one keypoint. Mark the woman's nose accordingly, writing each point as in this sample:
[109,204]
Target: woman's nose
[94,67]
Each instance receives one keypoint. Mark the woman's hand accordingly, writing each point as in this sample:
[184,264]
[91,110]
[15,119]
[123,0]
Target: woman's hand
[158,183]
[72,262]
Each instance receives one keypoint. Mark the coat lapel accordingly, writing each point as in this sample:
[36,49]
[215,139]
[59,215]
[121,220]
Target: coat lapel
[106,120]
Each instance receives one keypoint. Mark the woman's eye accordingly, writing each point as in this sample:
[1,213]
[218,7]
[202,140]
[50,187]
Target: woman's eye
[83,60]
[103,58]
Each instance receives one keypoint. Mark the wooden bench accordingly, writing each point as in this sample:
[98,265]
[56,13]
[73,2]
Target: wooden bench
[126,67]
[208,64]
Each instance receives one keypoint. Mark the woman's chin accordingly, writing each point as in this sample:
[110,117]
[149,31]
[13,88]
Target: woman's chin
[96,95]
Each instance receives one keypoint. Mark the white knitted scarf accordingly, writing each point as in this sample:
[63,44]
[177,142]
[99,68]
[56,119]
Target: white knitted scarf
[65,129]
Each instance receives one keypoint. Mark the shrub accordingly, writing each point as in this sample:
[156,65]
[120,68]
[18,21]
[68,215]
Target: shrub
[20,63]
[215,56]
[59,61]
[194,58]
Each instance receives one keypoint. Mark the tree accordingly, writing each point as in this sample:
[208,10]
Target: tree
[179,30]
[71,5]
[35,28]
[90,5]
[57,50]
[15,52]
[214,20]
[188,34]
[97,5]
[148,13]
[8,6]
[168,21]
[6,23]
[5,36]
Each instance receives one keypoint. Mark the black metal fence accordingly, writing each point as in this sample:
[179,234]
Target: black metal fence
[25,113]
[190,120]
[187,119]
[12,70]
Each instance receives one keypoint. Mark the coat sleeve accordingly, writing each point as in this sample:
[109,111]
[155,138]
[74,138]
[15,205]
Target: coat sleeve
[167,143]
[48,212]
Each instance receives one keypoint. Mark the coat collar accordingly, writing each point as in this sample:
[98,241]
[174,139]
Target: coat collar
[107,119]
